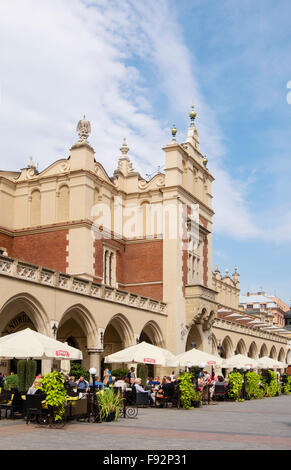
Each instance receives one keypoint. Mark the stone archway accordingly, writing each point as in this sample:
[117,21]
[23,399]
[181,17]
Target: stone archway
[194,339]
[20,312]
[227,349]
[253,351]
[78,329]
[241,348]
[263,351]
[273,353]
[152,334]
[117,335]
[281,355]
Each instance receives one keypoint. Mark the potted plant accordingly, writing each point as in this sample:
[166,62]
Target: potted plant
[53,386]
[109,404]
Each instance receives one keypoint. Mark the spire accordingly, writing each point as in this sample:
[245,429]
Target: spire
[124,149]
[84,129]
[193,136]
[124,163]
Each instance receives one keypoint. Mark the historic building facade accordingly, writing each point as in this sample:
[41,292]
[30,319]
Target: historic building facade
[103,262]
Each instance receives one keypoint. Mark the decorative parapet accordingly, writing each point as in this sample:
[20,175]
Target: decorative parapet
[14,268]
[244,330]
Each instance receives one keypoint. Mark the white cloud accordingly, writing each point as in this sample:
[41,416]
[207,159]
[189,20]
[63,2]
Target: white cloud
[64,59]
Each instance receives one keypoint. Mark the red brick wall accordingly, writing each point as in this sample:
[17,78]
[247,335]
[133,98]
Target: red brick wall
[6,242]
[135,263]
[47,249]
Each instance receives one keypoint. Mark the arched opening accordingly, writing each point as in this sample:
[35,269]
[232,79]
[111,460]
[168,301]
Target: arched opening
[241,348]
[194,339]
[152,334]
[273,353]
[253,351]
[227,349]
[78,329]
[17,314]
[281,355]
[118,335]
[263,351]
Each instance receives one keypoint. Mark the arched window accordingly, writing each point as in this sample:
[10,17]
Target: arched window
[35,207]
[63,204]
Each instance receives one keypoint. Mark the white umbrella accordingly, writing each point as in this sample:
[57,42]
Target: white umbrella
[195,357]
[269,363]
[144,353]
[239,360]
[28,343]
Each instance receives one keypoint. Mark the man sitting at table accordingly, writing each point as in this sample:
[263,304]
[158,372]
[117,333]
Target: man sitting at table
[82,384]
[98,384]
[168,388]
[155,381]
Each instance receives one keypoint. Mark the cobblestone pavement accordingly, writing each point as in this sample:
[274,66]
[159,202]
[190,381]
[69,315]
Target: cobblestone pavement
[259,424]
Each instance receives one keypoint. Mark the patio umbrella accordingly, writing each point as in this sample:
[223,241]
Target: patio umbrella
[195,357]
[144,353]
[269,363]
[28,343]
[239,360]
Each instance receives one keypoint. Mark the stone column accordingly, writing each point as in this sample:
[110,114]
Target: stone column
[95,361]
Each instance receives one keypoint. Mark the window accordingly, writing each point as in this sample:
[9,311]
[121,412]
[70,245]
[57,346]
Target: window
[109,263]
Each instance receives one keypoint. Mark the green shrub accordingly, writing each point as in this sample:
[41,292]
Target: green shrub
[11,381]
[120,373]
[188,393]
[286,385]
[271,386]
[53,386]
[21,373]
[31,367]
[253,388]
[142,373]
[235,385]
[78,371]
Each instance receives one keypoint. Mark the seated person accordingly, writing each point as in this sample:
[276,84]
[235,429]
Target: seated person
[82,384]
[155,381]
[120,383]
[221,381]
[35,389]
[98,384]
[168,388]
[72,382]
[140,389]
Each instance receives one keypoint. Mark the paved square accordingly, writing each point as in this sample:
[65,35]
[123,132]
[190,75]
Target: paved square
[259,424]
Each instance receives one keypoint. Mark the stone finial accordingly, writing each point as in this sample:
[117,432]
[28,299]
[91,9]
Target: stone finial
[84,129]
[124,149]
[192,115]
[174,132]
[226,273]
[31,164]
[124,164]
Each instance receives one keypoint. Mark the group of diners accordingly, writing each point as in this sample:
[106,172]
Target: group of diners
[154,387]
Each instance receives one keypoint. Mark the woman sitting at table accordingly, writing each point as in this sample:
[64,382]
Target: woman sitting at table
[140,389]
[35,389]
[120,383]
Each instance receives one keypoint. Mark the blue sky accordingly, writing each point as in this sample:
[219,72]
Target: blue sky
[135,68]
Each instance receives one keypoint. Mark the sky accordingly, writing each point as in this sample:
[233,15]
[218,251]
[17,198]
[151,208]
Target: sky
[135,68]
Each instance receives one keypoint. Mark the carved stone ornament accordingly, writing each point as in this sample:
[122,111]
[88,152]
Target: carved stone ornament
[84,129]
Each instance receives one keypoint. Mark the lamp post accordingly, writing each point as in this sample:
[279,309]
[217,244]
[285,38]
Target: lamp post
[92,372]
